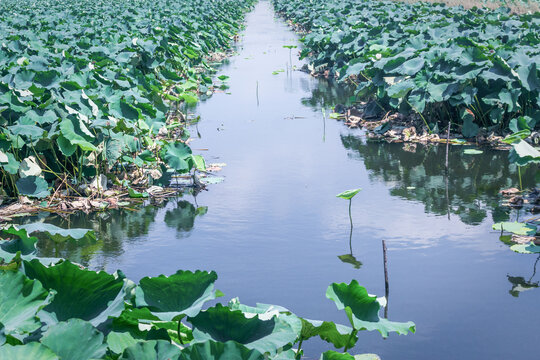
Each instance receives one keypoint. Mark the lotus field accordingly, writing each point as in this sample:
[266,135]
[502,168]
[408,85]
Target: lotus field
[477,68]
[92,87]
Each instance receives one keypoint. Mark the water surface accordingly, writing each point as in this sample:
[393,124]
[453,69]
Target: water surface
[274,230]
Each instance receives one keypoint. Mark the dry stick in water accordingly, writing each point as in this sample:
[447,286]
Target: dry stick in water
[386,285]
[446,169]
[257,92]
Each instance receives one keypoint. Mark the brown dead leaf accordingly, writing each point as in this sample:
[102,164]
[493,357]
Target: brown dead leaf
[510,191]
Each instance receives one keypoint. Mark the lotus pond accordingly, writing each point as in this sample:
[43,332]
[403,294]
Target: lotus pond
[275,233]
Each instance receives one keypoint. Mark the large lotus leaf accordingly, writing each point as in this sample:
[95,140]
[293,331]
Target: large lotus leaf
[515,227]
[80,293]
[528,75]
[33,351]
[523,154]
[76,133]
[20,300]
[178,156]
[58,234]
[336,334]
[333,355]
[362,309]
[220,323]
[211,350]
[75,340]
[182,293]
[29,131]
[20,241]
[33,186]
[348,194]
[151,350]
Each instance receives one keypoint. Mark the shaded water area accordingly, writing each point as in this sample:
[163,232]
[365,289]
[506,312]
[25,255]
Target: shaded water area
[275,232]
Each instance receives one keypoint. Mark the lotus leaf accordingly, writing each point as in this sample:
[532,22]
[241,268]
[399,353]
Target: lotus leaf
[58,234]
[183,293]
[33,350]
[211,350]
[222,324]
[516,228]
[83,294]
[33,186]
[151,350]
[75,340]
[362,309]
[20,300]
[348,194]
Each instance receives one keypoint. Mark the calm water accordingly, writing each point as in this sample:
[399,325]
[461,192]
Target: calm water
[274,229]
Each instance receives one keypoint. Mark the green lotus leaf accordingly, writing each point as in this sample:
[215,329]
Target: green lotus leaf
[530,248]
[336,334]
[83,294]
[58,234]
[199,162]
[183,293]
[65,146]
[523,154]
[33,350]
[75,340]
[77,134]
[33,186]
[134,325]
[134,194]
[515,227]
[29,131]
[220,323]
[20,300]
[20,241]
[267,311]
[211,350]
[9,163]
[348,194]
[469,129]
[333,355]
[178,157]
[151,350]
[362,309]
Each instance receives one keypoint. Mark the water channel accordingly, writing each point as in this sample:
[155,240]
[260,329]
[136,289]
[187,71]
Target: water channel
[276,233]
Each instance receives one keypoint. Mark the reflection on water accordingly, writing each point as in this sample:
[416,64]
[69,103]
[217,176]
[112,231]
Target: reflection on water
[417,172]
[520,284]
[117,229]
